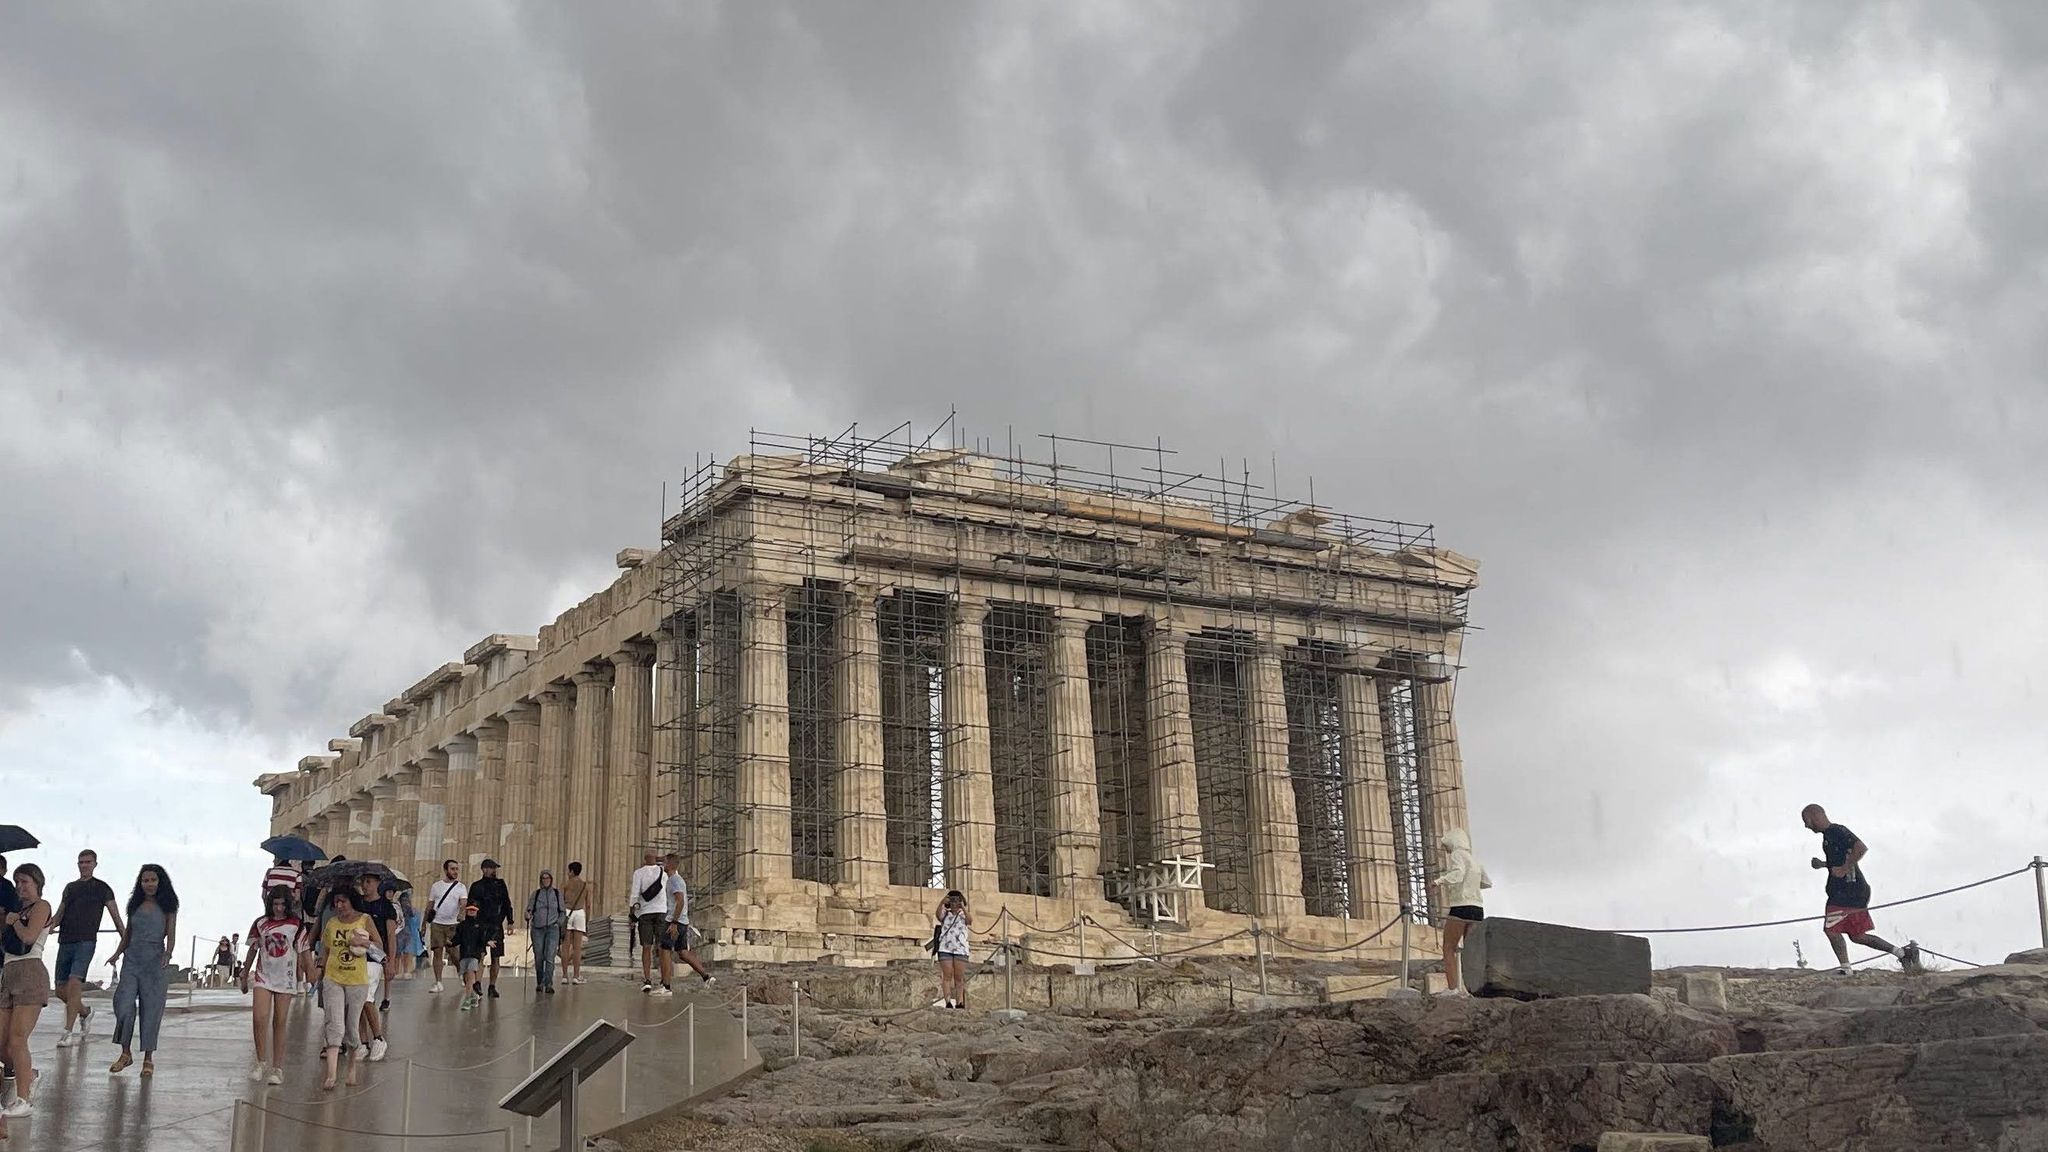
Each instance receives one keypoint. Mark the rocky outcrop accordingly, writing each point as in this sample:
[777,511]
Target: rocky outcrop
[1953,1062]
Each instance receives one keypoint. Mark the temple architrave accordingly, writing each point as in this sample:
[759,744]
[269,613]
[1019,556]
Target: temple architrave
[1136,712]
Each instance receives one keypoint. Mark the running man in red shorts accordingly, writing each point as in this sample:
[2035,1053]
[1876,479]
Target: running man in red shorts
[1848,908]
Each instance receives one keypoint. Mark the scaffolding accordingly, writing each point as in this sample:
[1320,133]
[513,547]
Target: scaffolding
[916,525]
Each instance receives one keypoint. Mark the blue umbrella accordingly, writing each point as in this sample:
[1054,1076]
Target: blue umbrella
[293,848]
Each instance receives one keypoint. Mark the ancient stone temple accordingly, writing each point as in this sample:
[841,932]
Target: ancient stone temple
[1133,711]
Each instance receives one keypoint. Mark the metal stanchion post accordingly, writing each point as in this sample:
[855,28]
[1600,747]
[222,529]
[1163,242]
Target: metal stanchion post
[405,1116]
[191,972]
[532,1063]
[691,1028]
[235,1128]
[1407,988]
[1009,973]
[796,1020]
[1259,946]
[625,1056]
[2041,896]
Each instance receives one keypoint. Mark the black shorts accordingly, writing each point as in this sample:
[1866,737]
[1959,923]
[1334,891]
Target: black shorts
[1470,913]
[675,936]
[649,926]
[497,941]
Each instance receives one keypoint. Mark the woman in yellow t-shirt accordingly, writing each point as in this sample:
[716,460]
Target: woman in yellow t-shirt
[347,942]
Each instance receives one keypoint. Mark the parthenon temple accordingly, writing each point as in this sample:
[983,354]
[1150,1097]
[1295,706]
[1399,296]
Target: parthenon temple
[1124,707]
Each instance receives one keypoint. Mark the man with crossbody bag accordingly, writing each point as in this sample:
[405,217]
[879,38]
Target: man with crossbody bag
[445,902]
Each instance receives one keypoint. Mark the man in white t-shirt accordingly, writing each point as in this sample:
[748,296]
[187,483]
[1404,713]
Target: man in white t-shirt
[675,941]
[649,907]
[445,901]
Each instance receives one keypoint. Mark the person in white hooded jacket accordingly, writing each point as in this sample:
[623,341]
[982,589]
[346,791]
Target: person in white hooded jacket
[1459,884]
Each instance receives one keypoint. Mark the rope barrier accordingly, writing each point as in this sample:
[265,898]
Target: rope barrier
[1344,948]
[254,1107]
[1953,959]
[470,1067]
[1811,919]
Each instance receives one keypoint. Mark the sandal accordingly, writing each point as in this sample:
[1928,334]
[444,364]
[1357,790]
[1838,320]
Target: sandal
[122,1062]
[148,1065]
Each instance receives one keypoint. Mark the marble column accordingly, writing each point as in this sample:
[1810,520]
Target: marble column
[405,825]
[969,787]
[1440,770]
[460,841]
[672,739]
[1276,834]
[383,797]
[1368,820]
[427,842]
[1076,802]
[358,846]
[486,817]
[857,698]
[522,761]
[1169,721]
[762,825]
[583,801]
[628,822]
[551,781]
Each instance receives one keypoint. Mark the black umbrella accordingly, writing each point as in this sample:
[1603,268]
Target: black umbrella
[293,848]
[15,838]
[347,871]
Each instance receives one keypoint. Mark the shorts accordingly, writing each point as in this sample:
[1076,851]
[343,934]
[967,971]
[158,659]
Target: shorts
[469,964]
[497,941]
[1470,913]
[1847,922]
[650,928]
[675,936]
[578,922]
[25,984]
[960,956]
[74,961]
[376,974]
[441,936]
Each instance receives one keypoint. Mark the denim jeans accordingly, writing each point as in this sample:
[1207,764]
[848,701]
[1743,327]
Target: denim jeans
[545,941]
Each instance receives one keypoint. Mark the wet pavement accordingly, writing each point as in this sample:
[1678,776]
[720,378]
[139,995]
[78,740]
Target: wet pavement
[444,1074]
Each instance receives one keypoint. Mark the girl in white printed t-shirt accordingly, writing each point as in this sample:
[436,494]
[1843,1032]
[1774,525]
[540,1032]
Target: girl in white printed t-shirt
[278,941]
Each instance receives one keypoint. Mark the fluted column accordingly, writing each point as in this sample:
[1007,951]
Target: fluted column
[522,763]
[427,842]
[1076,803]
[551,780]
[628,822]
[383,797]
[969,788]
[1276,834]
[672,743]
[405,821]
[359,843]
[857,699]
[762,824]
[1440,769]
[460,841]
[486,818]
[583,804]
[1368,822]
[1169,720]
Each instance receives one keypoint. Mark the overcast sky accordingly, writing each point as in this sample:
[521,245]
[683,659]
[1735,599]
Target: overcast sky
[335,337]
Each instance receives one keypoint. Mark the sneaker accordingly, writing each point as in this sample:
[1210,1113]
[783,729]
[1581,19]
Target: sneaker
[494,991]
[259,1071]
[942,1002]
[18,1109]
[710,979]
[647,988]
[67,1040]
[550,990]
[664,991]
[362,1053]
[470,1001]
[276,1075]
[579,980]
[377,1049]
[1909,960]
[1451,993]
[1844,970]
[436,987]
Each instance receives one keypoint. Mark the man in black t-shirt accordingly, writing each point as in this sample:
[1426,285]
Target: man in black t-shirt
[1848,893]
[78,934]
[494,907]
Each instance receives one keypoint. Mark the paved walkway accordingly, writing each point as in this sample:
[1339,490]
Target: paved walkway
[462,1063]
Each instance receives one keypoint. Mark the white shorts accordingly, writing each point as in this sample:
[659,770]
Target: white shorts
[577,922]
[376,975]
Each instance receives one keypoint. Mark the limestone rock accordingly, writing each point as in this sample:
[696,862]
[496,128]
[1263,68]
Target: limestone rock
[1653,1142]
[1706,991]
[1527,960]
[2030,956]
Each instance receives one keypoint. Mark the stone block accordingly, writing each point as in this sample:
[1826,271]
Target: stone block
[1706,991]
[2030,956]
[1531,960]
[1653,1142]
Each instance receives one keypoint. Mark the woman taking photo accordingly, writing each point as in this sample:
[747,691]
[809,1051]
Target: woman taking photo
[276,940]
[24,982]
[145,978]
[949,934]
[346,942]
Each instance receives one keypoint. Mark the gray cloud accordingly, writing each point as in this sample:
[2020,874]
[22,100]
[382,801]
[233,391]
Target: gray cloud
[334,340]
